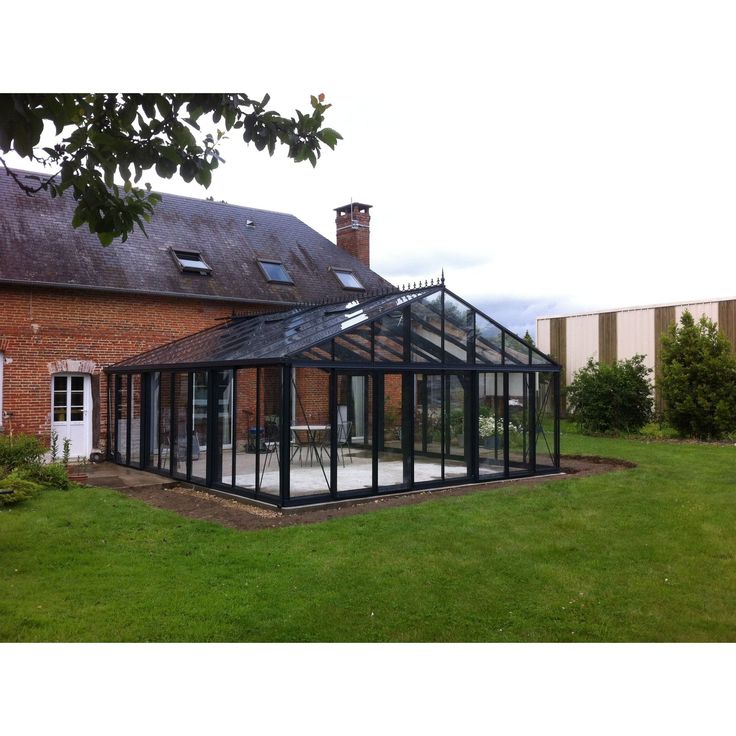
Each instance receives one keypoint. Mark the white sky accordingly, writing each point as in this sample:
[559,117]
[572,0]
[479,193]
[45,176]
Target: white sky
[551,156]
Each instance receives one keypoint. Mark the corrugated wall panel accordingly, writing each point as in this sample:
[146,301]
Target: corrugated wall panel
[663,318]
[558,350]
[709,309]
[635,335]
[582,343]
[543,337]
[727,320]
[607,337]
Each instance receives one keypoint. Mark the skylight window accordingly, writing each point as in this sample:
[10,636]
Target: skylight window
[191,262]
[275,272]
[347,278]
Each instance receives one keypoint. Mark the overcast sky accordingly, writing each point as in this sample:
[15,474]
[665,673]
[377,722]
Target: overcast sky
[550,156]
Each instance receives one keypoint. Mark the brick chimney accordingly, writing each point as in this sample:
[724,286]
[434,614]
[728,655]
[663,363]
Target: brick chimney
[353,224]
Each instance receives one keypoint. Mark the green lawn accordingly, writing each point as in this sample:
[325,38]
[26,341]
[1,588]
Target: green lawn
[645,554]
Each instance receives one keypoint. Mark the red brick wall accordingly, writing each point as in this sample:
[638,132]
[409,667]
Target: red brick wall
[40,325]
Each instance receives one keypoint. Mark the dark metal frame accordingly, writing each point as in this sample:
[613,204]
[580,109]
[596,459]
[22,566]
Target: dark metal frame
[468,372]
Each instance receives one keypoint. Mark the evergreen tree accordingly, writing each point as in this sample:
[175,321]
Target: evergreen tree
[698,380]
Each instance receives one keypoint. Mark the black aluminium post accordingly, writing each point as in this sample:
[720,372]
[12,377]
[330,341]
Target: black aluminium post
[234,425]
[213,440]
[258,430]
[474,418]
[172,427]
[443,417]
[556,383]
[377,429]
[332,398]
[532,383]
[129,402]
[285,425]
[189,429]
[407,429]
[145,387]
[506,424]
[116,378]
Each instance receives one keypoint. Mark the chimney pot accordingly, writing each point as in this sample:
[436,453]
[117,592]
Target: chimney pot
[352,225]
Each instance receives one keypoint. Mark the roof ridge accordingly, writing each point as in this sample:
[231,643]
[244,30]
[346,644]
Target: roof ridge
[181,196]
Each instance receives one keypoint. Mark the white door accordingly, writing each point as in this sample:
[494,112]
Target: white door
[71,397]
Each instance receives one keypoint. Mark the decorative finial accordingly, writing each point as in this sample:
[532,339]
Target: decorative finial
[442,278]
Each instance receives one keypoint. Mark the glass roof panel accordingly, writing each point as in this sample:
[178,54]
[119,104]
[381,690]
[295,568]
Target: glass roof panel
[311,333]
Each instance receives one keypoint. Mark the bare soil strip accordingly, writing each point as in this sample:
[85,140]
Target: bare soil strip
[198,504]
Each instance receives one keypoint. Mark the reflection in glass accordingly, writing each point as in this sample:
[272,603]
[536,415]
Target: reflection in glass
[224,443]
[199,425]
[268,434]
[519,408]
[121,418]
[546,403]
[389,450]
[487,341]
[310,433]
[491,408]
[427,427]
[426,329]
[354,458]
[181,405]
[245,434]
[458,327]
[457,439]
[389,343]
[164,421]
[135,419]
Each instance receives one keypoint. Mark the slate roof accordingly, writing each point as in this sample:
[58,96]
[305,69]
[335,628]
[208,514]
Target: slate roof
[39,246]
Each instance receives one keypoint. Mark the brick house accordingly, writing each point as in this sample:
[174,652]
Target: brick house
[70,307]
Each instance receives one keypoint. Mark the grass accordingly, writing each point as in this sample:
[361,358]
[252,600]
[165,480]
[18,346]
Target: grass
[645,554]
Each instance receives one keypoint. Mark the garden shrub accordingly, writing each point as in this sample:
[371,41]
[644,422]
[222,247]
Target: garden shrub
[615,397]
[53,475]
[22,488]
[698,381]
[20,450]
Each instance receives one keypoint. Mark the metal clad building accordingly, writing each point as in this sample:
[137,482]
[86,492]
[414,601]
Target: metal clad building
[612,335]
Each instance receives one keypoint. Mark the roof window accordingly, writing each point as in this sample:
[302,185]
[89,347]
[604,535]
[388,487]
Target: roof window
[191,262]
[347,279]
[275,272]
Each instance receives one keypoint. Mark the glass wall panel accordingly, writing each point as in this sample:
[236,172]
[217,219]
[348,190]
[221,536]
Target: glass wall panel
[427,427]
[354,346]
[223,444]
[389,450]
[121,418]
[487,341]
[426,329]
[164,421]
[516,351]
[268,432]
[519,412]
[154,408]
[136,399]
[199,425]
[546,404]
[181,422]
[457,428]
[354,432]
[309,450]
[245,439]
[491,409]
[458,327]
[389,342]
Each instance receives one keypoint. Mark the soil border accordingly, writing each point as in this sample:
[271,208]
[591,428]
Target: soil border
[197,503]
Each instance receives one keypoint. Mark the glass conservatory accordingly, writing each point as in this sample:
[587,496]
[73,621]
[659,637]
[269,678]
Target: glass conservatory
[386,393]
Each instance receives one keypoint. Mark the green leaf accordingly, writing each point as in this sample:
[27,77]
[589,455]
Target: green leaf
[106,238]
